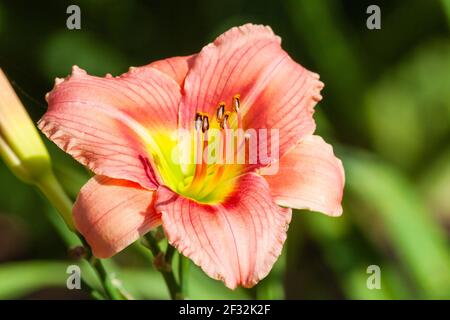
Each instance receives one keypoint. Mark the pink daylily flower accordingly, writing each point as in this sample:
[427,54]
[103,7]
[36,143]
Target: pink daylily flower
[229,219]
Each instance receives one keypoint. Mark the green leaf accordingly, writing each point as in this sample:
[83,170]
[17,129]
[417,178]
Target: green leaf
[408,111]
[435,185]
[347,260]
[64,49]
[18,279]
[146,283]
[394,210]
[446,5]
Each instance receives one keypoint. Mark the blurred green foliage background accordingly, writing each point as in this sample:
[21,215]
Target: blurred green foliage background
[386,109]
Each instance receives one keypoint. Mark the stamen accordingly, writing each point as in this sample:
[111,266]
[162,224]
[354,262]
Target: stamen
[201,165]
[198,145]
[224,122]
[236,107]
[218,168]
[198,121]
[207,177]
[236,102]
[220,112]
[223,138]
[205,152]
[205,124]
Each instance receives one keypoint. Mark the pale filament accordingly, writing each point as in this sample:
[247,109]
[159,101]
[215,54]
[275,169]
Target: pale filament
[202,125]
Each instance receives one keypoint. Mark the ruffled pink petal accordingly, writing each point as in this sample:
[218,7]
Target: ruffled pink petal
[107,123]
[237,241]
[175,67]
[276,92]
[309,177]
[111,214]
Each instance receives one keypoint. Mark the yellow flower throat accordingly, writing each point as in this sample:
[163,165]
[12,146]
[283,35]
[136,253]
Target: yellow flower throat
[202,165]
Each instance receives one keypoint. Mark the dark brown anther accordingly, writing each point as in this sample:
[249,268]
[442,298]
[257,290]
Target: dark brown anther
[198,121]
[236,102]
[220,112]
[205,125]
[224,121]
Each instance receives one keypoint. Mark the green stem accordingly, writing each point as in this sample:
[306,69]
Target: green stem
[108,282]
[183,273]
[113,291]
[94,293]
[169,254]
[164,266]
[53,191]
[71,240]
[56,195]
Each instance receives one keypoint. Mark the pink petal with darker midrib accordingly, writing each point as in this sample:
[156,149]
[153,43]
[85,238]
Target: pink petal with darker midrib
[111,214]
[237,241]
[309,177]
[105,123]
